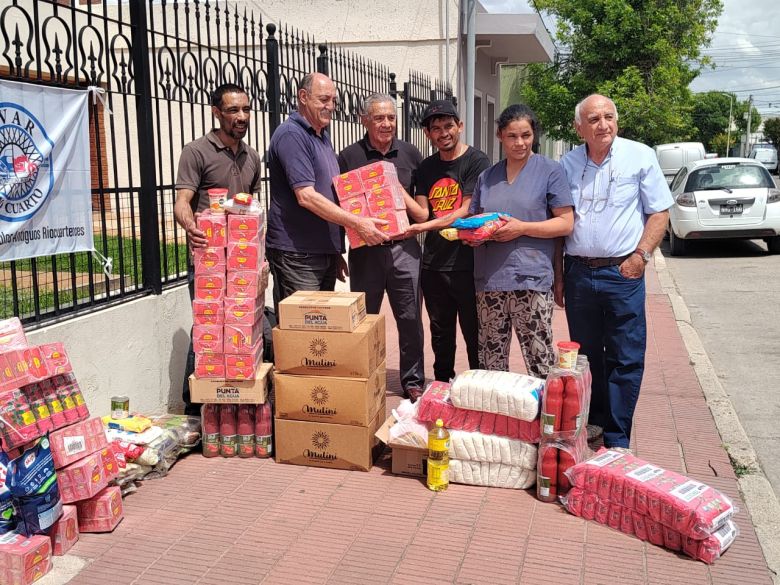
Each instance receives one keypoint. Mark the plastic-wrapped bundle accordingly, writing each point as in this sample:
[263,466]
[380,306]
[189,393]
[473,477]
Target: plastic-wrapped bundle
[507,393]
[565,402]
[588,505]
[491,449]
[685,505]
[491,474]
[555,459]
[436,403]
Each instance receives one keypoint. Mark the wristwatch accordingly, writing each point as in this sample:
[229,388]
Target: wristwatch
[646,256]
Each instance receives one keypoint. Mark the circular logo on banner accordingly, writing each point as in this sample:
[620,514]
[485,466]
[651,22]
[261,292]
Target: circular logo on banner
[26,173]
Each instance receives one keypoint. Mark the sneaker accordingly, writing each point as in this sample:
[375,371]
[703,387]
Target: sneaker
[594,431]
[413,393]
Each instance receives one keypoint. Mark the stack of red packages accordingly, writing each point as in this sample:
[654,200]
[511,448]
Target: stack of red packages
[24,559]
[64,533]
[373,191]
[229,296]
[243,430]
[563,420]
[435,403]
[101,513]
[665,508]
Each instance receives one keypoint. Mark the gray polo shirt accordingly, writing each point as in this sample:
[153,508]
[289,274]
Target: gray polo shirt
[206,163]
[524,263]
[297,157]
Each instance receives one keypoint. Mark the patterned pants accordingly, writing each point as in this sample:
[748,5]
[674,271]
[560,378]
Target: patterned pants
[530,314]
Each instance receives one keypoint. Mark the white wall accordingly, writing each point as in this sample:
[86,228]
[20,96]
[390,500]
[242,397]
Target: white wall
[138,348]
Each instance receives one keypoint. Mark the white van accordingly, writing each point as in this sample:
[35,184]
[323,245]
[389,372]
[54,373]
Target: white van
[672,157]
[766,155]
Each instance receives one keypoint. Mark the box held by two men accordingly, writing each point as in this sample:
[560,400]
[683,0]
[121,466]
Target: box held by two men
[322,311]
[411,461]
[328,353]
[316,444]
[344,401]
[208,391]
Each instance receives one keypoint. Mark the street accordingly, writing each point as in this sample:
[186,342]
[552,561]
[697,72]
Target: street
[732,289]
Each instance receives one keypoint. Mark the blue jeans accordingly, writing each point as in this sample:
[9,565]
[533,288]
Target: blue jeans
[606,316]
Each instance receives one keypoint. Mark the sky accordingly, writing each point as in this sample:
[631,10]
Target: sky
[745,49]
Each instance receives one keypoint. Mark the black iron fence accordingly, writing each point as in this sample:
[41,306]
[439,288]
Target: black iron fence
[158,62]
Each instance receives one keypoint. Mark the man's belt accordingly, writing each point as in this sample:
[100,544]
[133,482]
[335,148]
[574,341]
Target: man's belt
[391,242]
[599,262]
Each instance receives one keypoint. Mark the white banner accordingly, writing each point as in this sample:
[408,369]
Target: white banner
[45,181]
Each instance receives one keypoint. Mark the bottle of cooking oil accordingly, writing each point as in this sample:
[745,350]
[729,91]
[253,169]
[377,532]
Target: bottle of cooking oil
[438,457]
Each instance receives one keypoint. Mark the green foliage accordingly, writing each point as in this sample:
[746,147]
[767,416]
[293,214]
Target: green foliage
[718,143]
[772,131]
[642,54]
[740,118]
[711,117]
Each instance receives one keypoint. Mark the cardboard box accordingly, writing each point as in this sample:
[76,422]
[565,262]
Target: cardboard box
[326,353]
[390,197]
[328,445]
[208,338]
[411,461]
[210,365]
[76,441]
[244,255]
[65,531]
[24,560]
[348,184]
[102,512]
[344,401]
[356,205]
[85,478]
[209,260]
[231,392]
[56,358]
[322,311]
[245,228]
[213,225]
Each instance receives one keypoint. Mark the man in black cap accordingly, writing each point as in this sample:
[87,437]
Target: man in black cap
[444,183]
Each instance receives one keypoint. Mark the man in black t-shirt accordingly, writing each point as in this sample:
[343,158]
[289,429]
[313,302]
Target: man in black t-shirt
[444,183]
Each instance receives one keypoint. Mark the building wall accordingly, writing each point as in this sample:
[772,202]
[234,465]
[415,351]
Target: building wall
[138,348]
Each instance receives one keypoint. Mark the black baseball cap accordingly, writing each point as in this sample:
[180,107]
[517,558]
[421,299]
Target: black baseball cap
[439,108]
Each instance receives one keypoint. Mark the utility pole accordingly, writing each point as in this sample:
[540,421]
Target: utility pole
[728,134]
[747,135]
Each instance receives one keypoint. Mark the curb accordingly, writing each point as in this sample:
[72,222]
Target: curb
[757,493]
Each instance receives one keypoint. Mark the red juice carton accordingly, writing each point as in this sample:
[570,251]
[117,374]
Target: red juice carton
[243,311]
[217,318]
[62,390]
[243,339]
[209,366]
[77,396]
[85,478]
[205,307]
[39,408]
[53,402]
[348,184]
[209,282]
[208,339]
[17,421]
[385,198]
[12,334]
[380,181]
[356,205]
[56,358]
[15,369]
[64,533]
[102,512]
[373,170]
[76,441]
[245,228]
[244,284]
[37,368]
[354,239]
[244,256]
[24,559]
[244,367]
[397,222]
[209,260]
[214,226]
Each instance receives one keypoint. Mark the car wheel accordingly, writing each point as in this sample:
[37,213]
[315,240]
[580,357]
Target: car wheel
[676,245]
[773,245]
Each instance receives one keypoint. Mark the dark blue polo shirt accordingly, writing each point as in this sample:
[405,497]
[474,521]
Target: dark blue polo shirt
[297,157]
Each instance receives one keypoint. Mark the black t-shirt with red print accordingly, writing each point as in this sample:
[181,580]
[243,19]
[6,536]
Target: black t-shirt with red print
[445,183]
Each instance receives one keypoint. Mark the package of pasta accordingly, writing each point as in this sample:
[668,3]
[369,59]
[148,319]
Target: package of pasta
[565,402]
[685,505]
[507,393]
[436,403]
[590,506]
[480,227]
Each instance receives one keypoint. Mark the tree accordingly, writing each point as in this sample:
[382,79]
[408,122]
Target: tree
[711,117]
[772,131]
[641,53]
[718,144]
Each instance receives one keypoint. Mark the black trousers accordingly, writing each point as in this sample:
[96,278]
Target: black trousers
[450,298]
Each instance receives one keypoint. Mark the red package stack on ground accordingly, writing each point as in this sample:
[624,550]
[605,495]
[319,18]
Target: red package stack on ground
[24,560]
[563,418]
[660,506]
[102,512]
[373,191]
[65,531]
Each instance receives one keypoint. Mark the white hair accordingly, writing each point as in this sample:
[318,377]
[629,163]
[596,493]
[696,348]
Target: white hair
[376,98]
[578,107]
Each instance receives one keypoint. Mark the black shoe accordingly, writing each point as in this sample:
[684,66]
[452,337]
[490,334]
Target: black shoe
[413,393]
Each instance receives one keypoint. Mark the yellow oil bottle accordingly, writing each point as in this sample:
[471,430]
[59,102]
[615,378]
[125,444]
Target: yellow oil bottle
[438,457]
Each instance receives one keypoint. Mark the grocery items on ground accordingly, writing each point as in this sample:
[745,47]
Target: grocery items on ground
[438,476]
[654,504]
[243,430]
[373,191]
[330,381]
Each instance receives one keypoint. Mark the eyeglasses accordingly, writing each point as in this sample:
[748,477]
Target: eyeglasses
[593,203]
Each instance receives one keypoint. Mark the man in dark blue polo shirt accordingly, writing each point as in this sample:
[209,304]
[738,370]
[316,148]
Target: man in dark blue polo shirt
[393,266]
[304,239]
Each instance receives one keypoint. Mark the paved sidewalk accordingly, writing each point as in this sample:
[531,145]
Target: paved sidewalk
[234,521]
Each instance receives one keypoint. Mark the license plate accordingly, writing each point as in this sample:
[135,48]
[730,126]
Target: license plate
[731,209]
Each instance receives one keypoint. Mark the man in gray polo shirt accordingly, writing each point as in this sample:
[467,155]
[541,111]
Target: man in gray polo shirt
[220,159]
[305,239]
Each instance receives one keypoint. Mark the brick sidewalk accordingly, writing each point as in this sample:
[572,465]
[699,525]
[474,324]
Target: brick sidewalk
[234,521]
